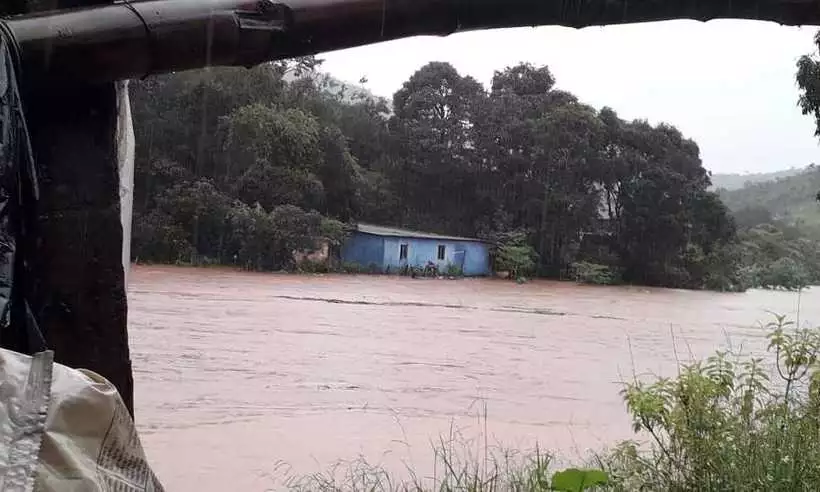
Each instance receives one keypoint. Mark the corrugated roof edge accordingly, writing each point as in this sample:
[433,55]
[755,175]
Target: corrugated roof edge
[396,232]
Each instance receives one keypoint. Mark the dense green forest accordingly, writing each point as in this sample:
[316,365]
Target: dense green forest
[244,167]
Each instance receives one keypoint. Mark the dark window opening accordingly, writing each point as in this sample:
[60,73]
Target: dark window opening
[403,252]
[441,250]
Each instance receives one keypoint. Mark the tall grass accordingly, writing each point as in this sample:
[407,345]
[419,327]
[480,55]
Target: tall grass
[455,472]
[727,423]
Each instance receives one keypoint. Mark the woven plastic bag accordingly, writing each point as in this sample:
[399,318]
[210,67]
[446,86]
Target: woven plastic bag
[65,430]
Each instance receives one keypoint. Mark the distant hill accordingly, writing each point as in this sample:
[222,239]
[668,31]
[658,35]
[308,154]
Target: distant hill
[348,92]
[790,198]
[737,181]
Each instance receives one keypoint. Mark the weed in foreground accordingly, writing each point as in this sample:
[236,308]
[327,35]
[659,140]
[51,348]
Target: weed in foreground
[500,471]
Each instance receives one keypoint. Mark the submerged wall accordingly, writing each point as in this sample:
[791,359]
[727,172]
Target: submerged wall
[364,249]
[385,252]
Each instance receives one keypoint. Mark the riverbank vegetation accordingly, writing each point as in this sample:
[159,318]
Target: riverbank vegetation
[725,423]
[502,471]
[243,168]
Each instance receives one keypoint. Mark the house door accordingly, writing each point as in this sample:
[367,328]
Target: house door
[458,259]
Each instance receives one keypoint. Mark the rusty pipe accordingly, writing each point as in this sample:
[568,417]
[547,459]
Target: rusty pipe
[135,39]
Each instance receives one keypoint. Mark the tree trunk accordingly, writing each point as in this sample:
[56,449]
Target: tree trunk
[78,293]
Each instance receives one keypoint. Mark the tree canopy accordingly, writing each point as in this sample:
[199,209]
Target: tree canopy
[222,152]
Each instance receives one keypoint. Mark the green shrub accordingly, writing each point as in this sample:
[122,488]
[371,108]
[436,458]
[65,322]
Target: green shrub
[350,267]
[593,273]
[454,270]
[724,424]
[516,255]
[785,273]
[310,266]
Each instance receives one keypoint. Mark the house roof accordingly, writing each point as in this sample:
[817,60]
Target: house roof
[396,232]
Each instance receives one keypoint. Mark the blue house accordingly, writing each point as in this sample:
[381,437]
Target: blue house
[389,250]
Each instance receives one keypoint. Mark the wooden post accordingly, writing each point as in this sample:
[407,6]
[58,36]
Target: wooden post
[78,290]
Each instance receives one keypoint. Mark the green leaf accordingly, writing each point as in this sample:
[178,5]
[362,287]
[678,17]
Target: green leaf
[575,480]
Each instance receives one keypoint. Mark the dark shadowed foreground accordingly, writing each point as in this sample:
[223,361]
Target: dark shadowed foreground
[242,379]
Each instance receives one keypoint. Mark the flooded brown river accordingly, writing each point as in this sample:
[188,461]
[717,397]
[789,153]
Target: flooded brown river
[242,379]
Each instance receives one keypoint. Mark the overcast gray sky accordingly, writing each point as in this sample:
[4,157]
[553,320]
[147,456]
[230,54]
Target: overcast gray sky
[727,84]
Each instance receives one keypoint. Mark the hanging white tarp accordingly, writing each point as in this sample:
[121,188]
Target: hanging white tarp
[125,159]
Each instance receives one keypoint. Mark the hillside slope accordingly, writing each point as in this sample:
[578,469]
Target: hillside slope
[791,199]
[733,182]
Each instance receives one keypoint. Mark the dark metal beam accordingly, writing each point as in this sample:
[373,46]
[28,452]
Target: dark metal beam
[154,36]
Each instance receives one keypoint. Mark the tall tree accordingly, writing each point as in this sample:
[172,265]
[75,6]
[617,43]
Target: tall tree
[808,80]
[540,147]
[435,115]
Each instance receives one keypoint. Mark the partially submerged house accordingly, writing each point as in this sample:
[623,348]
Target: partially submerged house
[389,249]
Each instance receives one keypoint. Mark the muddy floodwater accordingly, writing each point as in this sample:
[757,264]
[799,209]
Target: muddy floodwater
[242,379]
